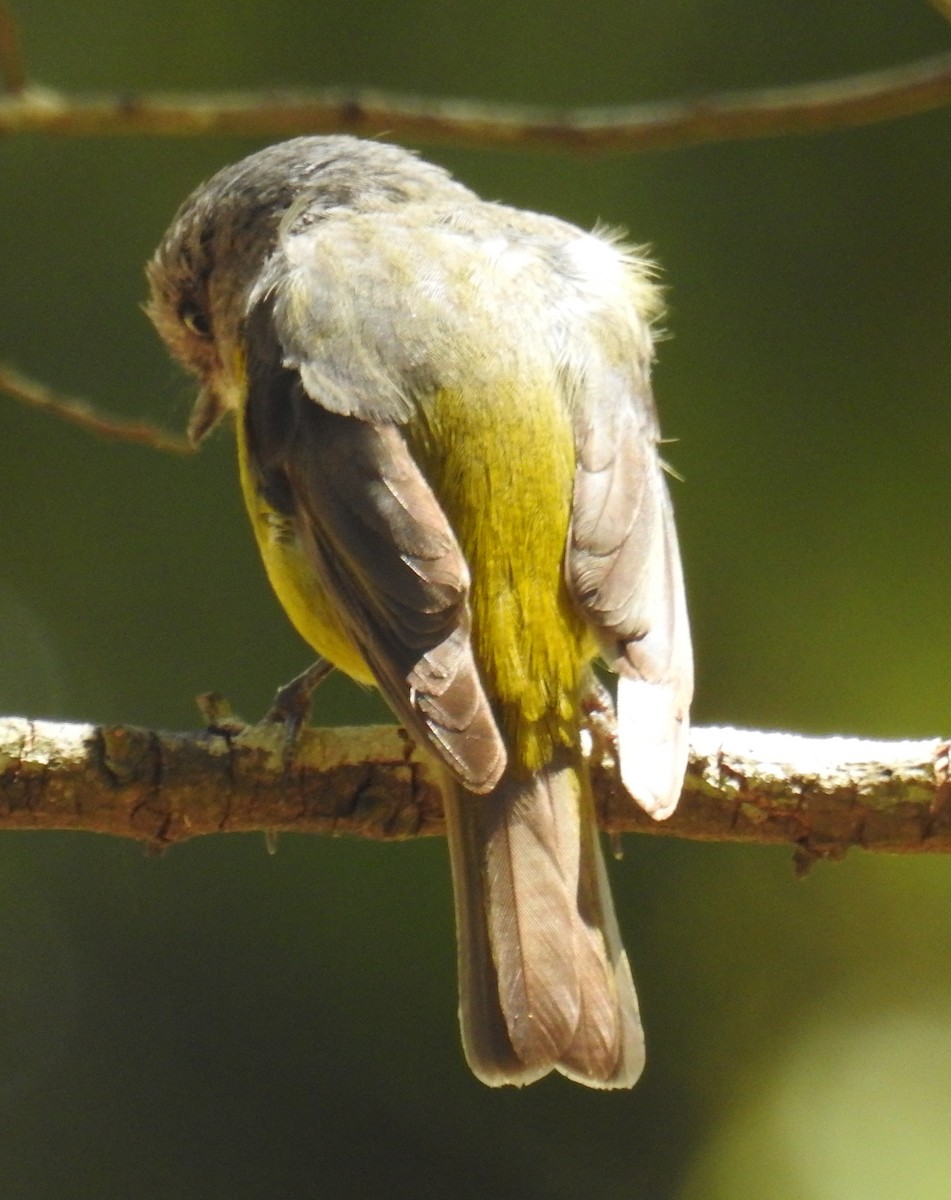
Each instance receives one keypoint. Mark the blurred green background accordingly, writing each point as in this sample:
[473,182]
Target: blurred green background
[221,1023]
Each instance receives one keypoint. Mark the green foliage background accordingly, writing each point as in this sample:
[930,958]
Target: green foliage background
[219,1022]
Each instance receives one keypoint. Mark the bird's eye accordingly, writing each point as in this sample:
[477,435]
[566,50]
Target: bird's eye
[194,319]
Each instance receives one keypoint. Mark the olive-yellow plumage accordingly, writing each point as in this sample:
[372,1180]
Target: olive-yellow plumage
[311,610]
[448,451]
[530,640]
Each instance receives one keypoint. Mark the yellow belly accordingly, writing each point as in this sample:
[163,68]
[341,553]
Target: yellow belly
[294,580]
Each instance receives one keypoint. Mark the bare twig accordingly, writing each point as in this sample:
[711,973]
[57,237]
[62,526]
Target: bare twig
[821,796]
[79,412]
[769,112]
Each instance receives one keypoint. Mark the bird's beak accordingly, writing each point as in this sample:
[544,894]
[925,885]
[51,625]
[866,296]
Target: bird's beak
[208,411]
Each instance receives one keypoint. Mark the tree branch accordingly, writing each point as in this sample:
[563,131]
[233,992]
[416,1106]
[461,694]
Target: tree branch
[819,795]
[884,95]
[81,413]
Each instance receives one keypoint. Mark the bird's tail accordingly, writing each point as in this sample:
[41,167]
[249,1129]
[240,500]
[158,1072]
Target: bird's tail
[544,982]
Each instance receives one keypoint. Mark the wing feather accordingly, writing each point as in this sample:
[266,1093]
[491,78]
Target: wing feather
[382,548]
[623,567]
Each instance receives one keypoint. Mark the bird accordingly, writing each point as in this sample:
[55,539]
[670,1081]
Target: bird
[450,455]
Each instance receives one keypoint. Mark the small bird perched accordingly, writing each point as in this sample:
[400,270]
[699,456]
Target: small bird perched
[448,449]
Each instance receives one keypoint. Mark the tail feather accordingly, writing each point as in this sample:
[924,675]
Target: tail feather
[531,880]
[597,914]
[544,982]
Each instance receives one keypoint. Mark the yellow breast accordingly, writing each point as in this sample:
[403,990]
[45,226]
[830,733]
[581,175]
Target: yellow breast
[293,578]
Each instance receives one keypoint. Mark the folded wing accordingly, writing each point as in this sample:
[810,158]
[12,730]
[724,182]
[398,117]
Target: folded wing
[382,549]
[623,567]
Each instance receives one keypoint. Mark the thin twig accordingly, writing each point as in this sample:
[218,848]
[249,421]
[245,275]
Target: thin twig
[820,796]
[769,112]
[79,412]
[12,62]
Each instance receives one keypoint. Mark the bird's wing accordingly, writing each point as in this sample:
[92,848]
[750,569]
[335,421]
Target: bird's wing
[623,568]
[381,549]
